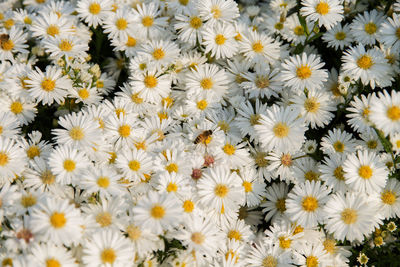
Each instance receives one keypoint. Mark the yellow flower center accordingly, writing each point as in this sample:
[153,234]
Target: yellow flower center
[258,47]
[365,172]
[7,262]
[221,190]
[281,205]
[278,26]
[330,246]
[16,107]
[393,113]
[234,234]
[108,255]
[69,165]
[83,93]
[248,187]
[52,263]
[370,28]
[195,22]
[103,181]
[309,204]
[269,261]
[224,126]
[312,261]
[262,82]
[104,219]
[131,42]
[134,165]
[28,200]
[8,24]
[254,119]
[311,176]
[172,187]
[216,12]
[157,212]
[202,104]
[284,242]
[188,206]
[48,177]
[349,216]
[311,104]
[94,8]
[124,131]
[229,149]
[298,30]
[372,144]
[339,173]
[388,197]
[338,146]
[76,133]
[33,151]
[158,54]
[303,72]
[136,99]
[220,39]
[134,232]
[183,2]
[172,167]
[365,62]
[53,30]
[121,24]
[150,81]
[322,8]
[340,36]
[48,85]
[65,45]
[58,220]
[286,160]
[147,21]
[281,130]
[7,45]
[198,238]
[206,83]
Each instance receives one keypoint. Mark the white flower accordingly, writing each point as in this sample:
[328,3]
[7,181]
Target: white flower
[327,12]
[219,40]
[385,112]
[12,160]
[94,12]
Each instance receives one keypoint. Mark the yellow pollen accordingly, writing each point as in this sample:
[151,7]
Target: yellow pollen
[234,234]
[365,172]
[260,159]
[388,197]
[48,85]
[134,165]
[58,220]
[221,190]
[198,238]
[339,173]
[309,204]
[298,229]
[103,181]
[33,151]
[69,165]
[108,256]
[83,93]
[258,47]
[158,54]
[8,24]
[141,145]
[224,126]
[52,263]
[269,261]
[372,144]
[76,133]
[248,187]
[206,83]
[370,28]
[284,242]
[286,160]
[94,8]
[311,104]
[365,62]
[238,37]
[278,26]
[172,167]
[150,81]
[312,261]
[65,45]
[48,177]
[216,12]
[393,113]
[340,36]
[254,119]
[28,201]
[220,39]
[229,149]
[53,30]
[119,111]
[7,45]
[349,216]
[172,187]
[183,2]
[330,246]
[303,72]
[167,101]
[121,24]
[104,219]
[16,107]
[281,205]
[134,232]
[147,21]
[299,30]
[188,206]
[281,130]
[338,146]
[262,82]
[131,42]
[113,157]
[124,131]
[195,22]
[136,99]
[322,8]
[157,212]
[311,176]
[202,104]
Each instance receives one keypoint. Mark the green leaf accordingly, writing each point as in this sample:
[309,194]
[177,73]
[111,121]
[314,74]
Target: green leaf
[385,142]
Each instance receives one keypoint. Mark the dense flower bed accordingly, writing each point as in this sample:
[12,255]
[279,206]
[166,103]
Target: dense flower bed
[199,133]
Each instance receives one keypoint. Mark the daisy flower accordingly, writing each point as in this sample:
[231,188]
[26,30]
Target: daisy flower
[51,25]
[262,83]
[107,248]
[238,231]
[370,66]
[39,176]
[121,131]
[327,12]
[304,204]
[9,125]
[57,220]
[218,11]
[20,108]
[158,211]
[311,255]
[385,112]
[338,37]
[315,107]
[304,72]
[281,130]
[275,202]
[52,255]
[294,32]
[332,172]
[365,27]
[259,48]
[16,43]
[152,86]
[48,87]
[305,169]
[219,40]
[68,47]
[147,20]
[144,241]
[254,189]
[235,155]
[129,45]
[365,172]
[284,235]
[220,189]
[359,113]
[134,164]
[338,141]
[389,203]
[264,253]
[350,216]
[282,165]
[12,160]
[94,12]
[173,183]
[160,52]
[120,23]
[189,26]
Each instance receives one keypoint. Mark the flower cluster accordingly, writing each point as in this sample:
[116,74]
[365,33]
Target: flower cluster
[198,132]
